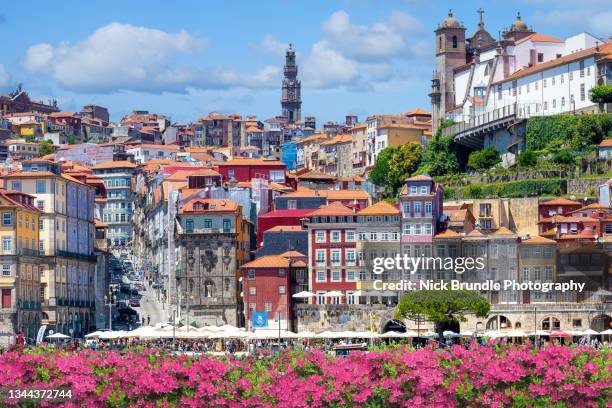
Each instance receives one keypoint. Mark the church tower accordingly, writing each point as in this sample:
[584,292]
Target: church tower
[450,54]
[291,99]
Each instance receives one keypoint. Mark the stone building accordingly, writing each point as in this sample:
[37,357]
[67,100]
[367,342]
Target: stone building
[291,100]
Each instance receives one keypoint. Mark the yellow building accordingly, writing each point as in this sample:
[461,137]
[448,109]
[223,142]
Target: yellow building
[19,264]
[538,263]
[66,244]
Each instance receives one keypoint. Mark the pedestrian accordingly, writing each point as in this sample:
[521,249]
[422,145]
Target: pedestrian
[143,320]
[148,320]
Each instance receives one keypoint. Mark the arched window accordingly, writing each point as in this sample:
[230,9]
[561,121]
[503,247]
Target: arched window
[551,323]
[440,43]
[454,41]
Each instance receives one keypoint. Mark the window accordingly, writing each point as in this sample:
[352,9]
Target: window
[406,229]
[540,57]
[424,190]
[282,290]
[548,273]
[535,85]
[562,99]
[267,306]
[251,274]
[525,274]
[231,174]
[189,225]
[362,235]
[413,190]
[291,204]
[41,247]
[281,273]
[336,276]
[6,269]
[499,91]
[581,64]
[417,209]
[562,78]
[417,229]
[350,276]
[427,228]
[207,223]
[16,185]
[335,236]
[552,81]
[537,273]
[350,236]
[41,186]
[395,236]
[384,236]
[7,245]
[544,83]
[320,257]
[7,218]
[373,236]
[320,236]
[335,256]
[428,208]
[321,276]
[582,92]
[406,208]
[252,290]
[454,41]
[514,88]
[350,257]
[321,298]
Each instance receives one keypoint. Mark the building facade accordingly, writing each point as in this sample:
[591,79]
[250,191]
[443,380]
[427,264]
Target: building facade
[291,99]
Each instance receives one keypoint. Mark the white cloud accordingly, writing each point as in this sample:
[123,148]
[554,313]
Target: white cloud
[358,57]
[580,20]
[124,57]
[4,76]
[269,44]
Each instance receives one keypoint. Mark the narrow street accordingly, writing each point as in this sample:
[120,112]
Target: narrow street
[151,307]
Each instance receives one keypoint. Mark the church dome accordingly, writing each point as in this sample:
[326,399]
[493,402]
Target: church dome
[519,24]
[450,21]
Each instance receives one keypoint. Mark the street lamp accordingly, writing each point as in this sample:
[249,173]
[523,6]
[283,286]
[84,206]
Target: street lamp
[108,301]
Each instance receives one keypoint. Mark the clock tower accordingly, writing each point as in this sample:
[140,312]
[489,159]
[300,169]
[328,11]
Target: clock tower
[291,99]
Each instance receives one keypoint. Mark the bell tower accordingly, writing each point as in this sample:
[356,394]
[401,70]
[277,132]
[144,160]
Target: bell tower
[291,99]
[450,54]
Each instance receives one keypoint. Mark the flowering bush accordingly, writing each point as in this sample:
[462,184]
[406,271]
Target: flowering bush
[482,376]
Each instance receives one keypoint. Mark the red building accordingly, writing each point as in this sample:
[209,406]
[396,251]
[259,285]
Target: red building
[586,223]
[70,119]
[246,169]
[332,240]
[557,206]
[268,285]
[279,217]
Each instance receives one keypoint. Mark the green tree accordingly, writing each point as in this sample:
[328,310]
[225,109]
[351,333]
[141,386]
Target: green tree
[71,139]
[441,156]
[601,94]
[403,163]
[484,159]
[442,307]
[46,147]
[564,157]
[528,158]
[380,170]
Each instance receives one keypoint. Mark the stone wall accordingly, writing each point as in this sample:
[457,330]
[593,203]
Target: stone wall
[585,187]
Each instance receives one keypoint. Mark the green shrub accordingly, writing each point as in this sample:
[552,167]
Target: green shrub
[601,94]
[484,159]
[513,189]
[528,158]
[564,157]
[575,131]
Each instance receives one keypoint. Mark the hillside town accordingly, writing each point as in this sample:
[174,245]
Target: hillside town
[273,224]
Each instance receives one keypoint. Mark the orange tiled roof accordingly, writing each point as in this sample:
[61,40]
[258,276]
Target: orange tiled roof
[603,49]
[420,177]
[240,161]
[380,208]
[214,205]
[331,194]
[285,228]
[269,261]
[593,206]
[560,201]
[537,37]
[448,233]
[606,143]
[538,240]
[335,208]
[503,231]
[116,165]
[418,111]
[292,254]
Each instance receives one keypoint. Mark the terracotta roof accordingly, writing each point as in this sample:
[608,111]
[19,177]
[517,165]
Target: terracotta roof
[560,218]
[254,129]
[593,206]
[537,240]
[503,231]
[418,111]
[214,205]
[537,37]
[603,49]
[456,215]
[560,201]
[12,202]
[420,177]
[331,194]
[155,146]
[299,264]
[116,165]
[269,261]
[448,233]
[29,174]
[605,143]
[285,228]
[358,126]
[476,234]
[292,254]
[476,101]
[399,126]
[335,208]
[240,161]
[206,173]
[380,208]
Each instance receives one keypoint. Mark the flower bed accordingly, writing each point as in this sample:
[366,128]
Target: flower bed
[483,376]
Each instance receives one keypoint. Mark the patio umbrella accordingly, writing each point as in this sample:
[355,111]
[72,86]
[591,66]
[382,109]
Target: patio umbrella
[429,334]
[538,333]
[590,332]
[333,293]
[94,335]
[493,334]
[450,333]
[608,332]
[560,333]
[398,335]
[303,295]
[514,333]
[306,335]
[58,336]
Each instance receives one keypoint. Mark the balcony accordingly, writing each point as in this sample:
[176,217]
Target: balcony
[29,252]
[206,230]
[74,255]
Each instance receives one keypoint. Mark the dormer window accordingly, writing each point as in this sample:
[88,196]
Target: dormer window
[413,190]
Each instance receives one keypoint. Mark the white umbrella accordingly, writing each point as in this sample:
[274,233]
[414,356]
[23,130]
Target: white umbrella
[187,328]
[359,293]
[538,333]
[575,332]
[333,293]
[398,335]
[303,295]
[140,331]
[429,334]
[58,336]
[361,335]
[493,334]
[95,334]
[230,334]
[514,333]
[608,332]
[466,333]
[306,335]
[590,332]
[450,333]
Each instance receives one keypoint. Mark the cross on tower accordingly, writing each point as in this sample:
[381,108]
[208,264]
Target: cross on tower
[481,12]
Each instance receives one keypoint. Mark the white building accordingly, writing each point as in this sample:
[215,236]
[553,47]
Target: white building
[145,152]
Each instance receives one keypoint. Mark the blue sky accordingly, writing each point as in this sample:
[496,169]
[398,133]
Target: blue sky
[187,58]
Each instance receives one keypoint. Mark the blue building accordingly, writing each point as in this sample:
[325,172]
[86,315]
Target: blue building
[289,155]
